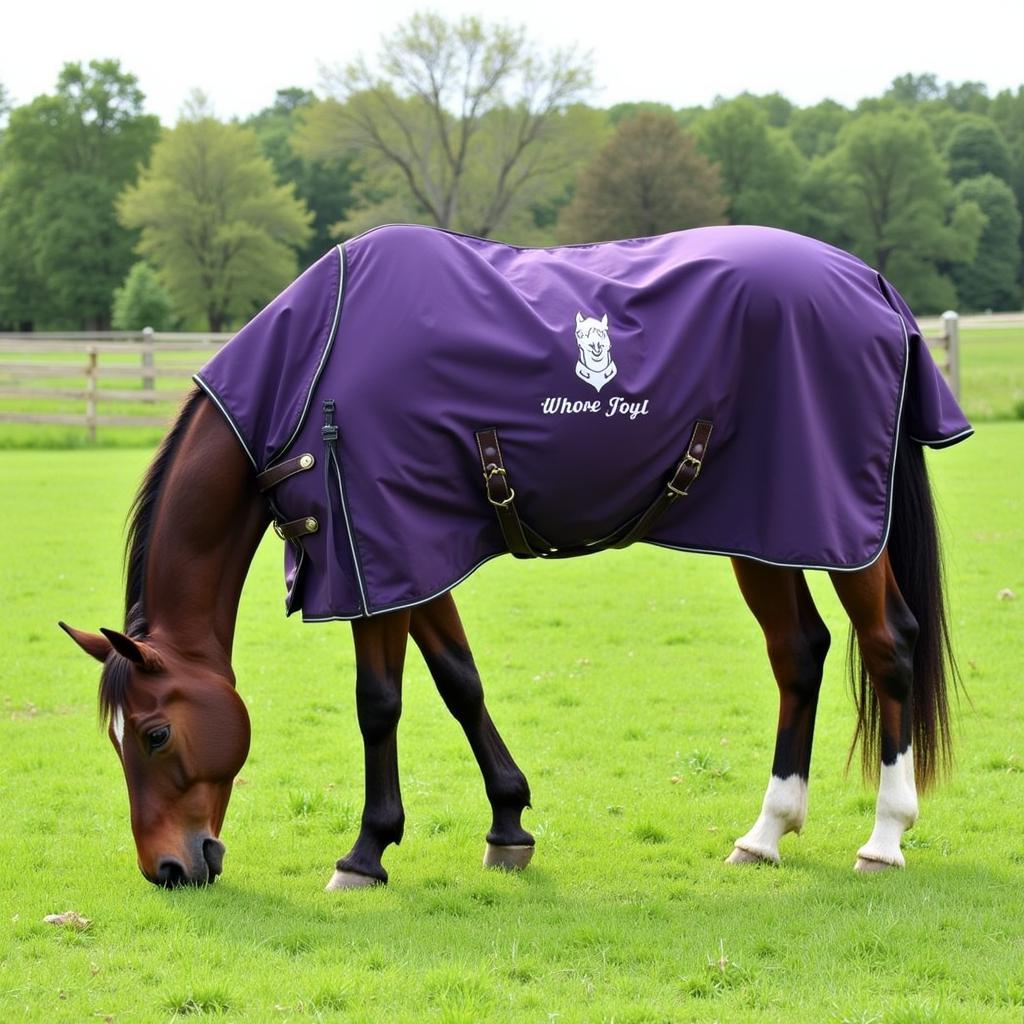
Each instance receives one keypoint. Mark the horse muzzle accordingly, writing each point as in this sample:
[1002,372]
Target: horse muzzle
[171,872]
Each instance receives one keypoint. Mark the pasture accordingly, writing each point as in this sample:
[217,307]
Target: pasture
[633,689]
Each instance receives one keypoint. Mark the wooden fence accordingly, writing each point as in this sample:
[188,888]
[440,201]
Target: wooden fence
[25,372]
[37,368]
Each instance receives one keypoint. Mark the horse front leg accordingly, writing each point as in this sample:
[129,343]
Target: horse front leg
[437,630]
[886,632]
[797,642]
[380,644]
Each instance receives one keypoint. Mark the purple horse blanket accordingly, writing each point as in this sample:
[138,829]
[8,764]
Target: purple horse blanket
[593,363]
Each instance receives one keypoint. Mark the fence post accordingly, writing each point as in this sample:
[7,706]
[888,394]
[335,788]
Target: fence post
[951,329]
[148,382]
[90,392]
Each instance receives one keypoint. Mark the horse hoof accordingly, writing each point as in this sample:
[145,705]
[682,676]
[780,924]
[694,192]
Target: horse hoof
[865,865]
[351,880]
[740,856]
[507,858]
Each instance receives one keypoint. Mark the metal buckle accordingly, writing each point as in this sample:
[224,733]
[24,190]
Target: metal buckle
[688,460]
[277,529]
[492,471]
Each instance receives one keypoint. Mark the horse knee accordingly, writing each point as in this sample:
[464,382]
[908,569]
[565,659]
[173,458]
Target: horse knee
[378,706]
[798,659]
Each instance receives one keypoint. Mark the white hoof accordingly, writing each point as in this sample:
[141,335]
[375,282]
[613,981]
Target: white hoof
[350,880]
[741,856]
[865,865]
[507,858]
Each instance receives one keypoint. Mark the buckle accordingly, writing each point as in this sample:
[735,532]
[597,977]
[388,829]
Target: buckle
[688,461]
[489,473]
[277,530]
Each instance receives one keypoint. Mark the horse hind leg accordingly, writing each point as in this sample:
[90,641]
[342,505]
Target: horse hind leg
[886,633]
[797,642]
[380,645]
[438,633]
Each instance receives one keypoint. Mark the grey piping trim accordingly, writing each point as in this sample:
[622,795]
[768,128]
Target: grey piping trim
[408,604]
[323,360]
[351,536]
[215,398]
[943,442]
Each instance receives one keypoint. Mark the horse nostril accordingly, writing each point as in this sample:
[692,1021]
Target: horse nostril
[213,854]
[170,873]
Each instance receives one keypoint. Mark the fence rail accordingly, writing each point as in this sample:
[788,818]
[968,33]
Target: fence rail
[149,357]
[144,357]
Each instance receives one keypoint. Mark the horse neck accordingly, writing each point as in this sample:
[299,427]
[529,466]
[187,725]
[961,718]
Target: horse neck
[207,525]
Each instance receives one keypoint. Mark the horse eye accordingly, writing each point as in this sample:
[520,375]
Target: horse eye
[158,738]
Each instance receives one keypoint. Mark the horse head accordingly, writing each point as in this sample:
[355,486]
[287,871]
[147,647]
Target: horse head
[182,734]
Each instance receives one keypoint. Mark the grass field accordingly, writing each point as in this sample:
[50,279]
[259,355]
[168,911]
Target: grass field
[632,688]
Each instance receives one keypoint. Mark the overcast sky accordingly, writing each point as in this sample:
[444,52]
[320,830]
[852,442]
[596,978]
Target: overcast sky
[673,51]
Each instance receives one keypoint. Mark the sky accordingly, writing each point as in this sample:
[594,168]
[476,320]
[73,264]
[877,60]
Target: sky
[673,51]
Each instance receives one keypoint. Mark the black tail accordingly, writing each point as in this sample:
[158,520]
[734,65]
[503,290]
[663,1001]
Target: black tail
[916,559]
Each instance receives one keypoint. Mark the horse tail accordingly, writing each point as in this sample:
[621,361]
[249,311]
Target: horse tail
[916,558]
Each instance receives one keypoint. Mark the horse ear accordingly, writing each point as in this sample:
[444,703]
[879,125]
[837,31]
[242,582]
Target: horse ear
[134,650]
[579,319]
[604,320]
[92,643]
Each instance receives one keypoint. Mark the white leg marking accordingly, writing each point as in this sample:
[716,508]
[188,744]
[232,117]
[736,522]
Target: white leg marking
[895,812]
[783,810]
[117,724]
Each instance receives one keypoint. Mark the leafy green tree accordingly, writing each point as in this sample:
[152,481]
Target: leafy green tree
[650,178]
[220,231]
[760,166]
[967,97]
[910,89]
[990,280]
[815,129]
[142,301]
[891,203]
[66,157]
[326,187]
[464,125]
[976,147]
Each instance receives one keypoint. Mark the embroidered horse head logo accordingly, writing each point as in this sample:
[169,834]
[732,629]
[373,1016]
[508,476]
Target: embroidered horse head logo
[595,364]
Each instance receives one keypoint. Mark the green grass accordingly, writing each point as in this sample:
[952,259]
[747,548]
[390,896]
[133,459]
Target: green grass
[992,373]
[632,688]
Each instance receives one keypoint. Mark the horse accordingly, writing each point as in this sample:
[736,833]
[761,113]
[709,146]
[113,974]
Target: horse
[370,331]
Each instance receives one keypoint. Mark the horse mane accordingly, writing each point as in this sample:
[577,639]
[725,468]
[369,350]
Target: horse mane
[139,527]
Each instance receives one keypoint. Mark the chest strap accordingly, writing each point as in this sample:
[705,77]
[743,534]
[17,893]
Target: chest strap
[270,478]
[525,542]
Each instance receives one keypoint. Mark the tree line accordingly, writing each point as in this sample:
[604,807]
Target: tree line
[109,218]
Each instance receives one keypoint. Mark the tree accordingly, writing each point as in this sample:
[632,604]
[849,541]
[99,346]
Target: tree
[990,280]
[215,224]
[891,203]
[66,157]
[141,301]
[815,129]
[976,147]
[464,124]
[326,187]
[910,89]
[760,165]
[650,178]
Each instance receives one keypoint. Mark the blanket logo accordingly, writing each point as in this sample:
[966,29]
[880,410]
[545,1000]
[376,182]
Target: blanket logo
[595,364]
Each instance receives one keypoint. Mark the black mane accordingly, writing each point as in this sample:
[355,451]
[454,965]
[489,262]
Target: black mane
[116,669]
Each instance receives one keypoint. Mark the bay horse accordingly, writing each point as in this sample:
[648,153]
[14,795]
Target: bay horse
[167,689]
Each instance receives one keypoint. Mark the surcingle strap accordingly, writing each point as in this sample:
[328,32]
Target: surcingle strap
[525,542]
[676,487]
[501,496]
[270,478]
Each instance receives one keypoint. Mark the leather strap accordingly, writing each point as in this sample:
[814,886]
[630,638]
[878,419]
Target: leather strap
[296,528]
[516,533]
[500,494]
[676,487]
[270,478]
